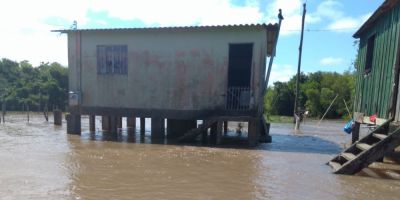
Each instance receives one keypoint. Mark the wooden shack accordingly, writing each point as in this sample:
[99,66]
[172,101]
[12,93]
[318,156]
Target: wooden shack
[181,74]
[376,103]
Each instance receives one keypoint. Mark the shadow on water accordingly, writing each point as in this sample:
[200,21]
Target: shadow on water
[301,143]
[280,142]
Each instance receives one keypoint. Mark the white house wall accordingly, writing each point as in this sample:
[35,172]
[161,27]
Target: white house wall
[167,69]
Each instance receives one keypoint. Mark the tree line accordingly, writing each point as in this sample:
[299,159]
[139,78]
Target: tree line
[23,86]
[46,86]
[317,91]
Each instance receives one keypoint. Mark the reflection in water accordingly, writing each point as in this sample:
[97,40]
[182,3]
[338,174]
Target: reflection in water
[40,161]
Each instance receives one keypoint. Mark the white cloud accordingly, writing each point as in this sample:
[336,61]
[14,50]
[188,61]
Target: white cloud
[26,35]
[332,62]
[281,73]
[181,12]
[25,29]
[331,11]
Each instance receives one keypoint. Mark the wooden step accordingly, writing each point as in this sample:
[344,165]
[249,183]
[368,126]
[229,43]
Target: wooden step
[335,166]
[379,136]
[363,146]
[348,156]
[370,152]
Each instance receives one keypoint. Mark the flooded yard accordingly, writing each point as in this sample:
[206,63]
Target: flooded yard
[40,161]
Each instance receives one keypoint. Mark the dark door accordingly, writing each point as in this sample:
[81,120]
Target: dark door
[239,76]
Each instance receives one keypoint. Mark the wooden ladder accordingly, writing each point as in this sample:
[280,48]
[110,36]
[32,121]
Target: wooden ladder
[366,151]
[193,133]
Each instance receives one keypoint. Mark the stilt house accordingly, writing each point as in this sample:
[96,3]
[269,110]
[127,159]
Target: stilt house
[377,101]
[182,74]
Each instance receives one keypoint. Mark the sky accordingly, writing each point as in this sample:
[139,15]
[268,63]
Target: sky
[328,43]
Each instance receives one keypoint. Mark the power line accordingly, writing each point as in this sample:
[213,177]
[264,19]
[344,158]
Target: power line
[323,30]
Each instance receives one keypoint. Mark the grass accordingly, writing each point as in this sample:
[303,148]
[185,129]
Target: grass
[278,119]
[289,119]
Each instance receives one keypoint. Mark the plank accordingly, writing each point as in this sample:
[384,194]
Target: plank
[379,136]
[363,146]
[335,166]
[348,156]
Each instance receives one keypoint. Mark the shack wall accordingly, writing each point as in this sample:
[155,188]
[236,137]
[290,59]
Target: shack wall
[167,69]
[374,91]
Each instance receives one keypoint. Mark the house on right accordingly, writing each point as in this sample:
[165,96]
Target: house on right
[377,96]
[378,65]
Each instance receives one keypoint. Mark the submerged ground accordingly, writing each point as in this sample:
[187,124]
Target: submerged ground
[40,161]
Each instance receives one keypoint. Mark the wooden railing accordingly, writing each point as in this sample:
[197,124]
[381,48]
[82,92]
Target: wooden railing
[238,98]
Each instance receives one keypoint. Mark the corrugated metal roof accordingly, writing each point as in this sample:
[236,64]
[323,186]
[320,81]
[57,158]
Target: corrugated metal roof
[386,6]
[271,27]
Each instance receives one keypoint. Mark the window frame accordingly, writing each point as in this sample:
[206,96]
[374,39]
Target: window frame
[369,58]
[112,59]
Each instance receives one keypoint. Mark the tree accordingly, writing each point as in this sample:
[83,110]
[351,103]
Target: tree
[22,84]
[317,90]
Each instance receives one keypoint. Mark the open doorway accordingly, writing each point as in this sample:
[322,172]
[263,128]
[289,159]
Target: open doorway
[239,76]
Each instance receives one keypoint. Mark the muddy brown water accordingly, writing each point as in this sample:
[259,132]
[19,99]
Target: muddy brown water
[40,161]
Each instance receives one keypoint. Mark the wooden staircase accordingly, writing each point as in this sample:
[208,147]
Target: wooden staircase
[193,133]
[367,150]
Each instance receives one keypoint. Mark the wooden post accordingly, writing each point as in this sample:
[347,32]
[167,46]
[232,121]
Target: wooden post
[105,123]
[113,124]
[3,113]
[131,124]
[119,122]
[213,133]
[253,131]
[92,123]
[355,134]
[142,126]
[46,113]
[204,136]
[27,109]
[57,115]
[157,128]
[225,127]
[219,132]
[296,100]
[297,120]
[73,124]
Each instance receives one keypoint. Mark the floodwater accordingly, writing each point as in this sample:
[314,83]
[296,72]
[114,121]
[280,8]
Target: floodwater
[40,161]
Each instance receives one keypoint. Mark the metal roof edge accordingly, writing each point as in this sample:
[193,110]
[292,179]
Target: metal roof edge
[263,25]
[383,8]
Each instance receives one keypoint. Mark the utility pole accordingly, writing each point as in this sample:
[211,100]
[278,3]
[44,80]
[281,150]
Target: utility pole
[296,112]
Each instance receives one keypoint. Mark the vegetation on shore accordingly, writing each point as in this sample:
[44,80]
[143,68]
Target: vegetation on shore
[23,86]
[46,85]
[317,90]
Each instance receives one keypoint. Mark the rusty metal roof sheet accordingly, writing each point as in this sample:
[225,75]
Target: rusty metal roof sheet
[271,27]
[385,7]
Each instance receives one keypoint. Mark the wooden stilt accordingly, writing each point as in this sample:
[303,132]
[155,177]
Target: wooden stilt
[355,135]
[119,122]
[219,132]
[74,124]
[213,133]
[157,128]
[92,123]
[131,124]
[105,123]
[225,127]
[253,131]
[113,124]
[142,125]
[57,115]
